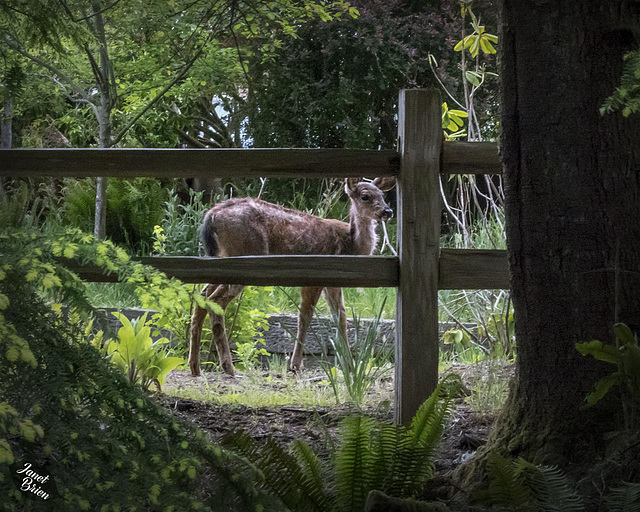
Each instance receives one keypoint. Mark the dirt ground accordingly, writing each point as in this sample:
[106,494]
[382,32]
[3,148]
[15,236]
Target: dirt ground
[465,432]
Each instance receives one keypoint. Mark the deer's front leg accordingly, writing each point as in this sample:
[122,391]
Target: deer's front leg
[336,305]
[223,295]
[310,296]
[197,320]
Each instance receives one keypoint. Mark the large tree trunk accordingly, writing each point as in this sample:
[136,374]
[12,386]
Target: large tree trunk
[572,182]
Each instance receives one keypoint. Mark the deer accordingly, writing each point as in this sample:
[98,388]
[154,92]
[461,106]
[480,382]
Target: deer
[247,227]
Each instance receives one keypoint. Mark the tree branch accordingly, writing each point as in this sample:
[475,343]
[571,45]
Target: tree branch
[86,17]
[14,46]
[164,91]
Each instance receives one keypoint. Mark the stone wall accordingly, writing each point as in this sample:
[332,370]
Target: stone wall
[280,337]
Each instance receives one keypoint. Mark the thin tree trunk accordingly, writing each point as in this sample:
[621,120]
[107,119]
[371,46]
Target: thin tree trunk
[572,181]
[6,134]
[105,87]
[104,141]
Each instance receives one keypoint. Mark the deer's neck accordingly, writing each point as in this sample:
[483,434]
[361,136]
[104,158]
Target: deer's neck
[363,234]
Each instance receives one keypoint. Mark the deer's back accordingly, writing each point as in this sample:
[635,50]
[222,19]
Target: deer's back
[246,226]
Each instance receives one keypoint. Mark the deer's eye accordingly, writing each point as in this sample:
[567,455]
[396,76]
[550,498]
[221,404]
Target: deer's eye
[365,197]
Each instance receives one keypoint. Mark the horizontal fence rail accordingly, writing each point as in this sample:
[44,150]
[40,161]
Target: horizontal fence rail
[468,269]
[457,157]
[191,163]
[347,271]
[473,269]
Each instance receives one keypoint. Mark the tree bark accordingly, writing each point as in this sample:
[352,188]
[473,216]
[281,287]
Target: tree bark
[572,184]
[6,134]
[105,79]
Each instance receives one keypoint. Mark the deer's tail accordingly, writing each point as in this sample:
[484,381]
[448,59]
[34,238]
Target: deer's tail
[209,236]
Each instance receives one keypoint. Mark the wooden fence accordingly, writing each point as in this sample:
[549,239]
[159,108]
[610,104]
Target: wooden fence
[419,271]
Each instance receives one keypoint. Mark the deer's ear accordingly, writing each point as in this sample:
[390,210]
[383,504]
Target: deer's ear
[350,185]
[385,184]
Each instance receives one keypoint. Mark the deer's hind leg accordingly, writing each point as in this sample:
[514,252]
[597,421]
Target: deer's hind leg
[197,320]
[223,295]
[310,296]
[336,305]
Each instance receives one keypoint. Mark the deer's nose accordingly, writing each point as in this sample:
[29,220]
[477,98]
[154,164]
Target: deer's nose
[388,213]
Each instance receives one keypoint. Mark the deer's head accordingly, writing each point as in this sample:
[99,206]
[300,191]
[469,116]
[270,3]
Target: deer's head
[368,197]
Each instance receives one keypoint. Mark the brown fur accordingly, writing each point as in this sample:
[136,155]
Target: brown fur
[241,227]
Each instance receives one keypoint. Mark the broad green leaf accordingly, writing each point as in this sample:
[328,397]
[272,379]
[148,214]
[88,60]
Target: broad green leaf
[471,77]
[624,334]
[600,351]
[602,388]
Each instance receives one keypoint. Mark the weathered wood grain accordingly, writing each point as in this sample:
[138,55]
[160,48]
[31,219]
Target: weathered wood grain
[473,269]
[354,271]
[470,158]
[419,212]
[190,163]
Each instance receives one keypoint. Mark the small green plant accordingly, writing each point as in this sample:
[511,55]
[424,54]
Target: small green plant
[247,324]
[357,366]
[369,455]
[625,355]
[143,360]
[177,232]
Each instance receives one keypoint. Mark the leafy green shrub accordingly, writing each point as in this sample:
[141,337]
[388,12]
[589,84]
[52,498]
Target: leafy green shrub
[247,324]
[370,455]
[142,359]
[134,207]
[178,232]
[107,445]
[625,355]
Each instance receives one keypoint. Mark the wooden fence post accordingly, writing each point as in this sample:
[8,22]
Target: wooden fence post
[419,217]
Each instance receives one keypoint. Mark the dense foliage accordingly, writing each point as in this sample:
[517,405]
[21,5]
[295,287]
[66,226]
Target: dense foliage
[66,408]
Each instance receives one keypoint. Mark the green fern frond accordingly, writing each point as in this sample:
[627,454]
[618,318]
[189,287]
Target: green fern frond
[353,463]
[507,482]
[550,490]
[626,97]
[385,441]
[312,475]
[625,498]
[428,423]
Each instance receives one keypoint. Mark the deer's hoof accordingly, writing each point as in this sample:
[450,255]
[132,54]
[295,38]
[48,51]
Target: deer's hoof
[227,367]
[295,369]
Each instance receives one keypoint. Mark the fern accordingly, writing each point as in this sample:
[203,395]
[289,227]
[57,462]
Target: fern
[353,463]
[370,455]
[625,498]
[551,491]
[527,487]
[282,474]
[507,483]
[312,475]
[627,96]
